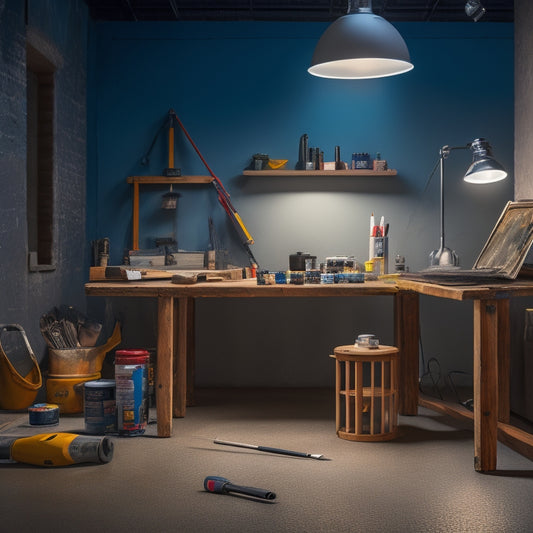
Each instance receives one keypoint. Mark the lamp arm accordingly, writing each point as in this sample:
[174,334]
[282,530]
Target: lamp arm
[443,154]
[445,150]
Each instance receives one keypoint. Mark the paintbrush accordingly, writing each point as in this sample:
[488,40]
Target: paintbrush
[268,449]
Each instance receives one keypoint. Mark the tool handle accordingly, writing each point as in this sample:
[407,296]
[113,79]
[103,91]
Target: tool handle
[237,444]
[282,452]
[221,485]
[250,491]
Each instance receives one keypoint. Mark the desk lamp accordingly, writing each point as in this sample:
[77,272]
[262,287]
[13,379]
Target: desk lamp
[360,45]
[484,169]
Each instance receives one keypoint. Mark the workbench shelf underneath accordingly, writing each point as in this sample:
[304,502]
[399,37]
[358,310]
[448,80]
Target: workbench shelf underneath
[339,173]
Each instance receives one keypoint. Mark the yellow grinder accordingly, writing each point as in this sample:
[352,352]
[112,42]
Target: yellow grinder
[56,449]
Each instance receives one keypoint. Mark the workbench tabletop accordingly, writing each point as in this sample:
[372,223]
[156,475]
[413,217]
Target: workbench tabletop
[236,289]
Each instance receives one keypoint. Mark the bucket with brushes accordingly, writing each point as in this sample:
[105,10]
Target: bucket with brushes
[70,368]
[81,361]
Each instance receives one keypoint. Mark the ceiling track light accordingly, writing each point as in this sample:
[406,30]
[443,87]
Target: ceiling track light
[474,9]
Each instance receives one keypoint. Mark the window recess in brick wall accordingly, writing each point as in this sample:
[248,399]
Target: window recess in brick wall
[40,160]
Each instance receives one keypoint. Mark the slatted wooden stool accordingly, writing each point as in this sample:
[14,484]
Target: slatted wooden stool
[366,387]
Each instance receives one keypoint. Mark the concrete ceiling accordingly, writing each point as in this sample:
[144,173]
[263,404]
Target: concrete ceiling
[291,10]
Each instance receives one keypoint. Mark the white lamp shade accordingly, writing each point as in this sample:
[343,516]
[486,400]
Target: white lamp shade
[360,46]
[484,168]
[487,170]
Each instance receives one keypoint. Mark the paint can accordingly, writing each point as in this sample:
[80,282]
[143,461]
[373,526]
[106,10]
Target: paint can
[131,377]
[100,407]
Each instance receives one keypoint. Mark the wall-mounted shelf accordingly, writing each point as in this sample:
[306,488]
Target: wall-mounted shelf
[157,180]
[165,180]
[282,172]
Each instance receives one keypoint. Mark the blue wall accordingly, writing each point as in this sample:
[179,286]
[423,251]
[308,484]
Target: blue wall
[243,87]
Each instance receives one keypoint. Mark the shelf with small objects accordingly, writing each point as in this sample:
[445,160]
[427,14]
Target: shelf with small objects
[349,172]
[311,163]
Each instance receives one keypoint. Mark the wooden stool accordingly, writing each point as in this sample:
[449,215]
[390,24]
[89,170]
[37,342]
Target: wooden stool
[366,384]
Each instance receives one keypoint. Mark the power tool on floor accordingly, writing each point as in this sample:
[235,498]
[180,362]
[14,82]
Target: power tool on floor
[56,449]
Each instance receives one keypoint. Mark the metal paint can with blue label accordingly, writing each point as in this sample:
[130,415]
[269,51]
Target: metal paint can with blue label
[99,406]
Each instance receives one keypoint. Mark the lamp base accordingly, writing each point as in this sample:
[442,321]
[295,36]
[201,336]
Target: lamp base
[443,258]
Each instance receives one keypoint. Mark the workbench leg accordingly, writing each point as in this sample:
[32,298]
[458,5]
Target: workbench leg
[191,351]
[504,362]
[485,384]
[406,339]
[165,346]
[180,362]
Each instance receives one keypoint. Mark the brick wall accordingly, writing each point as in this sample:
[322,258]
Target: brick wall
[58,30]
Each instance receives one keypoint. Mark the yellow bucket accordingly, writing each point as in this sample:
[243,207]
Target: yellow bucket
[81,361]
[67,391]
[17,391]
[75,361]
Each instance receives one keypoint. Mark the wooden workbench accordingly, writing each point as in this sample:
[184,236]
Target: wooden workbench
[175,346]
[491,365]
[175,340]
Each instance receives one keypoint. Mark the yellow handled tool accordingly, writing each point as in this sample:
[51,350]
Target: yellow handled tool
[223,195]
[223,198]
[56,449]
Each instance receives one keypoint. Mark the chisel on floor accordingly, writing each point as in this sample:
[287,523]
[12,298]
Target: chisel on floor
[268,449]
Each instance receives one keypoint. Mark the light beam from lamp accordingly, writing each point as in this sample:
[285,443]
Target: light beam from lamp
[360,45]
[484,169]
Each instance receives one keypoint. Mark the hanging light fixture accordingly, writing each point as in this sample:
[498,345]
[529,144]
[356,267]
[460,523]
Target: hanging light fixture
[360,45]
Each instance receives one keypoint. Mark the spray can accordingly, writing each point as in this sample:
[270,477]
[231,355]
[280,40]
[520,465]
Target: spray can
[131,378]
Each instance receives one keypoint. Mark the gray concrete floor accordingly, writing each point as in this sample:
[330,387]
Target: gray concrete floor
[423,481]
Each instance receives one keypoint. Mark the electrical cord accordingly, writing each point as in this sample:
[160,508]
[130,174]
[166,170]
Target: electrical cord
[433,371]
[432,368]
[469,404]
[437,385]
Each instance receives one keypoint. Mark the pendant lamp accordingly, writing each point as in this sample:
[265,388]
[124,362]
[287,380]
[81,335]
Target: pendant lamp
[360,45]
